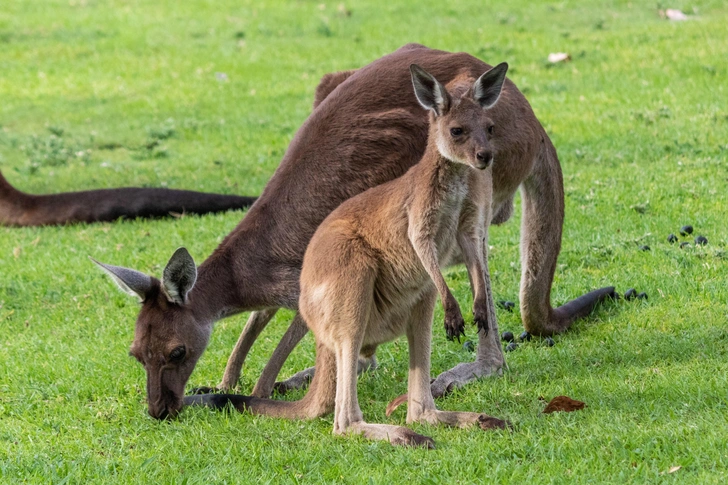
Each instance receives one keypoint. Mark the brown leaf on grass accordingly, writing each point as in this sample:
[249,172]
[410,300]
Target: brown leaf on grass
[17,251]
[563,403]
[673,469]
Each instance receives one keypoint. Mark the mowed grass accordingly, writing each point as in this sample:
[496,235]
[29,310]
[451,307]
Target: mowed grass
[206,95]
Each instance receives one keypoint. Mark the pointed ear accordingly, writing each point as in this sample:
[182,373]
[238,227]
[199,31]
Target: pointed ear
[179,276]
[130,281]
[430,93]
[487,88]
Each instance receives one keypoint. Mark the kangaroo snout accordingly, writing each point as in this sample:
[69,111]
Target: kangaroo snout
[483,159]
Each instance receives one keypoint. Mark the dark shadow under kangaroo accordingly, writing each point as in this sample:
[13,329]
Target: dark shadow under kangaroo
[367,128]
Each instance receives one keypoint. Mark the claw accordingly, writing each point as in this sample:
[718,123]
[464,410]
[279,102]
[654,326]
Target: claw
[482,324]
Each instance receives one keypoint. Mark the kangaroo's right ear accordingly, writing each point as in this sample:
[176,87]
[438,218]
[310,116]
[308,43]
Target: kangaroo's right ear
[130,281]
[430,93]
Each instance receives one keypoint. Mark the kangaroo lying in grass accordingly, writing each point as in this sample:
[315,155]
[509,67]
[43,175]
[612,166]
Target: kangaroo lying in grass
[365,131]
[372,270]
[20,209]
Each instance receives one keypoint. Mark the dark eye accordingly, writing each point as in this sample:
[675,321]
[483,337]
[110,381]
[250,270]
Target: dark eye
[456,131]
[178,353]
[490,129]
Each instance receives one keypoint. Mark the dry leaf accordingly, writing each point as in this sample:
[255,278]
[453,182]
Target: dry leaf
[675,14]
[563,403]
[35,241]
[559,57]
[673,469]
[16,252]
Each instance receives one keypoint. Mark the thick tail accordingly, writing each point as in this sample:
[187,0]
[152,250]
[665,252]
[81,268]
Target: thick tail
[318,401]
[20,209]
[543,218]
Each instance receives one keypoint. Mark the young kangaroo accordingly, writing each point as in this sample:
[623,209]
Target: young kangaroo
[372,269]
[369,270]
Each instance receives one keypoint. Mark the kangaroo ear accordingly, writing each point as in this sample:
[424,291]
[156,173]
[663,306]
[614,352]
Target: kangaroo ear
[132,282]
[179,276]
[430,93]
[487,88]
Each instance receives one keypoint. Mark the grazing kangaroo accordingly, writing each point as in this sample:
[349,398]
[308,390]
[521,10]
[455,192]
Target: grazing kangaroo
[363,133]
[20,209]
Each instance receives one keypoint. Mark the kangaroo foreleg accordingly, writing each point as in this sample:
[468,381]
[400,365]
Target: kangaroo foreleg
[256,323]
[267,380]
[543,218]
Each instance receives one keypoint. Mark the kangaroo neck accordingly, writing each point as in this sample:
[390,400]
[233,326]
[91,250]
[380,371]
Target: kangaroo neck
[440,172]
[242,275]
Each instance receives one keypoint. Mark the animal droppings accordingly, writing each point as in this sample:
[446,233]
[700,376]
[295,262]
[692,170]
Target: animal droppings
[644,248]
[507,305]
[468,346]
[672,239]
[511,347]
[684,245]
[701,240]
[525,337]
[642,296]
[563,403]
[507,337]
[630,294]
[686,230]
[549,342]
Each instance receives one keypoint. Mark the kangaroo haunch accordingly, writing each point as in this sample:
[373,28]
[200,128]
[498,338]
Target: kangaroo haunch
[366,129]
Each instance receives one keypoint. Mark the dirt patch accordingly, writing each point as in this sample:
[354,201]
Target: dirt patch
[563,403]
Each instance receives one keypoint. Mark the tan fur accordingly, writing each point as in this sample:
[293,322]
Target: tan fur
[372,268]
[365,131]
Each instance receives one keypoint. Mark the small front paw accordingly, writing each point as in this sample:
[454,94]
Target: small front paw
[481,320]
[454,325]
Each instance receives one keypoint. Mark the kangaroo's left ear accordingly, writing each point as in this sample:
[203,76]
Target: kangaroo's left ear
[430,93]
[487,88]
[179,276]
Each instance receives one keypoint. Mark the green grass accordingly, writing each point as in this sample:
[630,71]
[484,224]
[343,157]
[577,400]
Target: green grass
[641,124]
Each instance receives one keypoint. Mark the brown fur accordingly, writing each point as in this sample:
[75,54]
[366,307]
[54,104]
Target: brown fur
[372,268]
[370,129]
[20,209]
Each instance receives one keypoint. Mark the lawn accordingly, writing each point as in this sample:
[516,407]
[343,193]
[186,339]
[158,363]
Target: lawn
[207,95]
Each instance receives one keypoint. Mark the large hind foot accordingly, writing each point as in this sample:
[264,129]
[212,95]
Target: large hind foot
[462,419]
[301,379]
[451,379]
[462,374]
[396,435]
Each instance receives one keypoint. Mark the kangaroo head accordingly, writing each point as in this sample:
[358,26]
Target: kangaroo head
[168,338]
[460,125]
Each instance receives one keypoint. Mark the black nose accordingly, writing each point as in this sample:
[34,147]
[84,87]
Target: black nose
[484,156]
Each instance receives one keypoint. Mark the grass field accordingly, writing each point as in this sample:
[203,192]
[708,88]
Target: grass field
[206,95]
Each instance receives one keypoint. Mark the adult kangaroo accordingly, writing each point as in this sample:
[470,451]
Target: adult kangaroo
[365,132]
[20,209]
